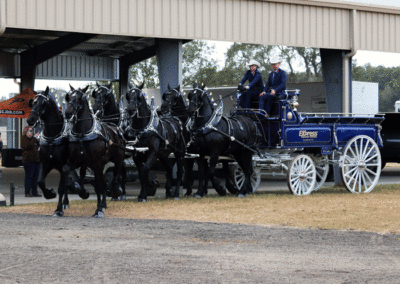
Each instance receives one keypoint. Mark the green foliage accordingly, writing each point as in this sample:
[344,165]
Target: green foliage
[198,65]
[145,71]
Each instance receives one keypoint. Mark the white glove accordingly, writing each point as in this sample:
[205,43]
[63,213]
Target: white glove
[247,87]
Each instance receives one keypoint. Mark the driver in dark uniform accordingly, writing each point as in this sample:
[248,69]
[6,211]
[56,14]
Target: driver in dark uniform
[276,85]
[255,84]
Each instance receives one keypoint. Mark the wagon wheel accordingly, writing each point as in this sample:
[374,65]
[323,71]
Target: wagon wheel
[237,177]
[302,175]
[322,168]
[362,163]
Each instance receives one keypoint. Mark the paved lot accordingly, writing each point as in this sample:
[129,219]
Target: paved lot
[389,175]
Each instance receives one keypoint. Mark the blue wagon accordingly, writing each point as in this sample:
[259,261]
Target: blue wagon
[302,145]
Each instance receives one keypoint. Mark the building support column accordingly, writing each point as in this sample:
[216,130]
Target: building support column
[28,70]
[123,78]
[332,73]
[169,59]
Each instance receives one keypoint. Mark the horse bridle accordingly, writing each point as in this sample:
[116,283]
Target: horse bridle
[136,103]
[77,107]
[198,106]
[174,102]
[109,92]
[40,113]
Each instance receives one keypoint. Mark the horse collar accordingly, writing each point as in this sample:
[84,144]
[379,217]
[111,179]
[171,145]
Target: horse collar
[92,134]
[58,139]
[214,119]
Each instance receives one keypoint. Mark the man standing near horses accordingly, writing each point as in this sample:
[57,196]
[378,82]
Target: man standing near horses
[276,85]
[255,84]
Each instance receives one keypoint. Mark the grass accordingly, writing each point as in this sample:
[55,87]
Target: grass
[329,208]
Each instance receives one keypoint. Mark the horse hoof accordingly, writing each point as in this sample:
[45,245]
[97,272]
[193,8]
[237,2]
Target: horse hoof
[49,194]
[98,214]
[114,199]
[197,196]
[84,194]
[66,206]
[58,214]
[241,196]
[142,200]
[122,197]
[222,191]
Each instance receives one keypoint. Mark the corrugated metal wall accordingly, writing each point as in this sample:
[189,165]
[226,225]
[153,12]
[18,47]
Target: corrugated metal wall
[266,22]
[377,31]
[64,67]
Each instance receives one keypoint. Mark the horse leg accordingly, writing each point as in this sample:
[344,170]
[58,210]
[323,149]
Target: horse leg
[179,173]
[115,184]
[100,188]
[188,183]
[231,188]
[47,193]
[83,193]
[123,182]
[202,189]
[221,190]
[142,178]
[62,190]
[145,176]
[168,184]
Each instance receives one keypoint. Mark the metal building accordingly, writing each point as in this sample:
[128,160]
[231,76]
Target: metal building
[90,39]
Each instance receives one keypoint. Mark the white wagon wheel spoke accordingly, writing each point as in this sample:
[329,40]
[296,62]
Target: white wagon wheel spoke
[363,173]
[349,172]
[302,175]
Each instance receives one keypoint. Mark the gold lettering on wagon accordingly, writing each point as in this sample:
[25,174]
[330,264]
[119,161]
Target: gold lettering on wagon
[308,134]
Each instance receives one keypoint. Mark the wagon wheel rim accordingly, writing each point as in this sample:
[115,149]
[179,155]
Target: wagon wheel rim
[322,170]
[301,176]
[239,177]
[362,164]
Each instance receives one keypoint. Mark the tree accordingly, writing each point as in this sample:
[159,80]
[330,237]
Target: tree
[145,71]
[198,64]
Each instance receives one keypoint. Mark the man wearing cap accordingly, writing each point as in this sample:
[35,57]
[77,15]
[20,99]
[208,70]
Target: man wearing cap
[255,84]
[276,85]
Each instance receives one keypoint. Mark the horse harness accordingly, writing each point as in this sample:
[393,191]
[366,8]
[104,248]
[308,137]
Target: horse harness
[211,124]
[152,127]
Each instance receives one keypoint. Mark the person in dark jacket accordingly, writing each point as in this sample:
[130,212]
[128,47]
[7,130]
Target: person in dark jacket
[255,84]
[276,85]
[1,144]
[30,161]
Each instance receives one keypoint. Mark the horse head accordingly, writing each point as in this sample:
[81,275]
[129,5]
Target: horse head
[104,96]
[75,101]
[136,100]
[197,97]
[39,106]
[170,99]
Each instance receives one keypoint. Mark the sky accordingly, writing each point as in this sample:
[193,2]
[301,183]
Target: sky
[363,57]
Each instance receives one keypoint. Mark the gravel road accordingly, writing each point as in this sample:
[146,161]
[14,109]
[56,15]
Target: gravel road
[42,249]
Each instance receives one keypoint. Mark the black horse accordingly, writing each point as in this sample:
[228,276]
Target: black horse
[216,135]
[174,105]
[162,136]
[106,109]
[93,144]
[53,148]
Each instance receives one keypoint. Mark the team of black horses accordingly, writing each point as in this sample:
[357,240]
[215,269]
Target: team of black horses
[85,138]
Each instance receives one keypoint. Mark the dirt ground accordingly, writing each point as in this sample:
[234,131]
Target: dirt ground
[42,249]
